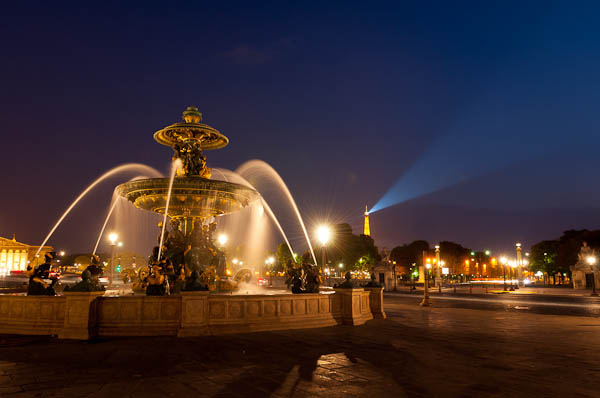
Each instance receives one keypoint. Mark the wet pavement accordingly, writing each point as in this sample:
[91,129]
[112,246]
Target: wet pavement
[416,352]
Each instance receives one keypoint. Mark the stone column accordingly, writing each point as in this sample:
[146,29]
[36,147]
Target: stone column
[194,314]
[80,315]
[376,301]
[352,312]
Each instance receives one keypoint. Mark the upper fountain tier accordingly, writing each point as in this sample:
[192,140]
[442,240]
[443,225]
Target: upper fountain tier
[194,194]
[191,129]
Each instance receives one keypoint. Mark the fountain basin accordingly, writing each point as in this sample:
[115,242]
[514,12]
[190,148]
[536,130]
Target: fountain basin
[85,315]
[190,196]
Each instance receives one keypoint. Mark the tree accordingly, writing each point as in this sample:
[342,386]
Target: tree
[454,255]
[283,256]
[406,255]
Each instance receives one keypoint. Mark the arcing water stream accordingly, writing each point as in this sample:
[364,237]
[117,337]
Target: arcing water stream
[114,202]
[116,170]
[174,166]
[254,167]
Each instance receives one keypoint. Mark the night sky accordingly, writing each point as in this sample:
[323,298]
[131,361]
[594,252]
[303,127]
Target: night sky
[475,122]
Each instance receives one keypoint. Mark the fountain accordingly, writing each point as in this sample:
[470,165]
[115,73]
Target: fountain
[191,198]
[188,258]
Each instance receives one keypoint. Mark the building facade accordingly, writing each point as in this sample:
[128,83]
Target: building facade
[14,256]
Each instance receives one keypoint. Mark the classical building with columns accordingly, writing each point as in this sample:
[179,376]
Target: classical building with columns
[14,256]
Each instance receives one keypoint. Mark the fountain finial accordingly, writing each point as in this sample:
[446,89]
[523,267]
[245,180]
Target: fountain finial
[191,115]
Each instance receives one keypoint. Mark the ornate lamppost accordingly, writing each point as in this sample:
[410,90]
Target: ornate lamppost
[438,268]
[591,260]
[324,235]
[503,262]
[519,266]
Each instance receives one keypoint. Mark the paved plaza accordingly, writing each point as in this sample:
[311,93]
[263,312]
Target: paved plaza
[417,352]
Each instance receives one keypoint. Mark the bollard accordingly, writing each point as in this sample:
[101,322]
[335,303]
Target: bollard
[440,288]
[486,288]
[454,289]
[470,289]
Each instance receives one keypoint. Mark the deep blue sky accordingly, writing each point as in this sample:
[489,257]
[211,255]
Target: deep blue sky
[482,119]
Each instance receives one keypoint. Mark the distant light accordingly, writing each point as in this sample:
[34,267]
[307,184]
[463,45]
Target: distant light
[323,234]
[591,260]
[445,271]
[222,239]
[518,244]
[487,252]
[503,260]
[437,247]
[341,265]
[472,253]
[539,273]
[120,244]
[62,253]
[235,261]
[271,260]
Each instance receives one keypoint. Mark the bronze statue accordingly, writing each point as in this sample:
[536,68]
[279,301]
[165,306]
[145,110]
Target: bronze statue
[87,284]
[194,283]
[157,283]
[37,286]
[348,283]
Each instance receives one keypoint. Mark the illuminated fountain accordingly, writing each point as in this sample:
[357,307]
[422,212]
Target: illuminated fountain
[190,198]
[193,202]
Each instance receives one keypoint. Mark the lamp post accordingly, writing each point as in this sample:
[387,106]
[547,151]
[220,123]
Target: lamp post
[270,261]
[323,234]
[592,262]
[113,243]
[438,268]
[519,265]
[503,262]
[512,264]
[426,302]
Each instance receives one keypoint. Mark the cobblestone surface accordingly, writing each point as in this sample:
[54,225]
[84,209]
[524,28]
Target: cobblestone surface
[416,352]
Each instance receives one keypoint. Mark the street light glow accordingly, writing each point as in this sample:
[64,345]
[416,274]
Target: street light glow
[591,260]
[113,238]
[503,260]
[323,234]
[222,239]
[62,253]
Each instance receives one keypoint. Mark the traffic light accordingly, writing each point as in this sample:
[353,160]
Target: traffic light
[119,268]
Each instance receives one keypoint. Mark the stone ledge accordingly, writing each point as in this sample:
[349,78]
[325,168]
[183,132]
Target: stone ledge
[84,315]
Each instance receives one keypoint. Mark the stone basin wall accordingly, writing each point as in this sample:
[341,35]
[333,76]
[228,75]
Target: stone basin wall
[85,315]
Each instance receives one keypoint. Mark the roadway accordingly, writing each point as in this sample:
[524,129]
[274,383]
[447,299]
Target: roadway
[529,303]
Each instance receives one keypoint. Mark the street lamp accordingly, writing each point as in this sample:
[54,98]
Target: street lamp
[503,262]
[426,264]
[324,235]
[591,260]
[270,261]
[438,268]
[222,239]
[512,264]
[519,265]
[113,237]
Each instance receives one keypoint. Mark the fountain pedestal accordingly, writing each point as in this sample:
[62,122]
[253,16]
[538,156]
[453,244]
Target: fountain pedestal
[194,314]
[80,315]
[354,305]
[376,302]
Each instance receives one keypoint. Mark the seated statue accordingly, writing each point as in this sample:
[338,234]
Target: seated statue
[194,283]
[157,283]
[312,277]
[373,282]
[87,284]
[94,268]
[348,283]
[37,286]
